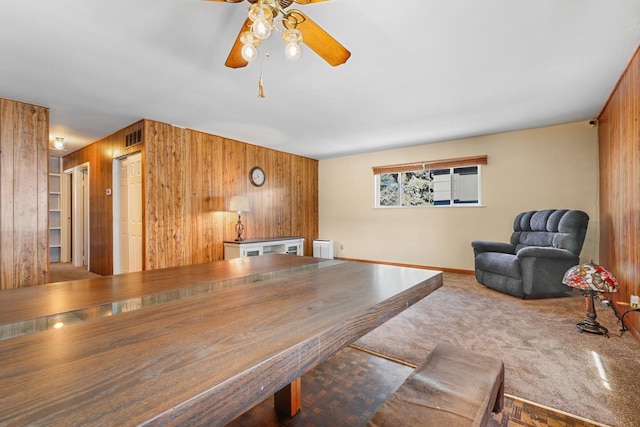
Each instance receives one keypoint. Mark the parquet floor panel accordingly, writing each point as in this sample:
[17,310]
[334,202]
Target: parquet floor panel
[350,386]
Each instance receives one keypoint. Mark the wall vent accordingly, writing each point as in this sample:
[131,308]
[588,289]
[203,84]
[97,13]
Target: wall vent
[133,138]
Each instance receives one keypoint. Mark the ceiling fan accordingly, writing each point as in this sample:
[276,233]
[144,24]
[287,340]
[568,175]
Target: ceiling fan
[296,27]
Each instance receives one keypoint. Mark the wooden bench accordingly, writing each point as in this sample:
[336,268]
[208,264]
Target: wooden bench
[454,387]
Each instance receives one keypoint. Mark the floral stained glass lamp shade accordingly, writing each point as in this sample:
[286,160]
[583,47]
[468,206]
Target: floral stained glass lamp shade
[591,278]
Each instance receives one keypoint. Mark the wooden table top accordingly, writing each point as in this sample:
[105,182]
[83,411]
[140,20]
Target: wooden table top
[203,345]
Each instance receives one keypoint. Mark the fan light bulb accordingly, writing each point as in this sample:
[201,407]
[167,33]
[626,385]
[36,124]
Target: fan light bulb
[261,28]
[262,17]
[249,52]
[293,51]
[292,37]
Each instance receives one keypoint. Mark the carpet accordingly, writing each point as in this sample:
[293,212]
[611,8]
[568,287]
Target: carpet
[546,359]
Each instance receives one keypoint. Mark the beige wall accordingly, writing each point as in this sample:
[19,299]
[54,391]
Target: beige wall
[552,167]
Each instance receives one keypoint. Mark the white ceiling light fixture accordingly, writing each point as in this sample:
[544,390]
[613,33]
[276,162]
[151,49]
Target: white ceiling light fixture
[59,144]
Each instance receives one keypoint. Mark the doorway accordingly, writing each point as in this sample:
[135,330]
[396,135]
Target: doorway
[127,209]
[76,213]
[66,192]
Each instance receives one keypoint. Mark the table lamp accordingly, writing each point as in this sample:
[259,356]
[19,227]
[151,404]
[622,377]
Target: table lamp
[239,204]
[591,278]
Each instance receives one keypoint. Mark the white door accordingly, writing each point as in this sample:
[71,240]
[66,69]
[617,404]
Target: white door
[85,217]
[80,216]
[134,211]
[65,215]
[122,266]
[128,209]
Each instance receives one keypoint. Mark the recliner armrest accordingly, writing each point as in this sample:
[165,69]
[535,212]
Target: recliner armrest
[480,246]
[545,252]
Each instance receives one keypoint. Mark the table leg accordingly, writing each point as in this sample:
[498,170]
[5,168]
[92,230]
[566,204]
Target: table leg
[288,401]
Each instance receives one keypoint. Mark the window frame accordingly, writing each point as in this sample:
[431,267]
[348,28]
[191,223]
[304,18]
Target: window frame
[449,165]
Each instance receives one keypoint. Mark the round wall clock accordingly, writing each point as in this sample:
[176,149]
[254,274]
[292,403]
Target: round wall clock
[257,176]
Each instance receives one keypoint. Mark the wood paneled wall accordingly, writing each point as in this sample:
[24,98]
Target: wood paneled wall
[619,136]
[24,181]
[189,177]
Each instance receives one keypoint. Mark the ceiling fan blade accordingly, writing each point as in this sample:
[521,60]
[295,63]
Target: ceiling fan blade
[235,59]
[319,40]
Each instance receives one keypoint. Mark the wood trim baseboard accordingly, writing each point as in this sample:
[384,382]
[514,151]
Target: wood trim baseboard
[424,267]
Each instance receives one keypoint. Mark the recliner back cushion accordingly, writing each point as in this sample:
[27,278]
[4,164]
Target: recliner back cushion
[558,228]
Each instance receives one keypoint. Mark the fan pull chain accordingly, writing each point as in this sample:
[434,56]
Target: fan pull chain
[260,87]
[260,84]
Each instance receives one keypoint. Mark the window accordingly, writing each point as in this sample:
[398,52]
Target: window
[429,183]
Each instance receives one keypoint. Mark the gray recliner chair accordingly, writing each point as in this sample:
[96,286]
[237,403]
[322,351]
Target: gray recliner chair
[543,246]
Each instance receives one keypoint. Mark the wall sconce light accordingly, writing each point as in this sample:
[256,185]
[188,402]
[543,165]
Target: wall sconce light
[239,204]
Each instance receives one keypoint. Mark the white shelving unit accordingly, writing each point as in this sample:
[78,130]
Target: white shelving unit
[55,220]
[287,245]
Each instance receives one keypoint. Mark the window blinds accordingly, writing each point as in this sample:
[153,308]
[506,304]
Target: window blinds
[431,165]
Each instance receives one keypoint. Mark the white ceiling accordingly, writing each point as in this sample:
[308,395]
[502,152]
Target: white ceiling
[420,71]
